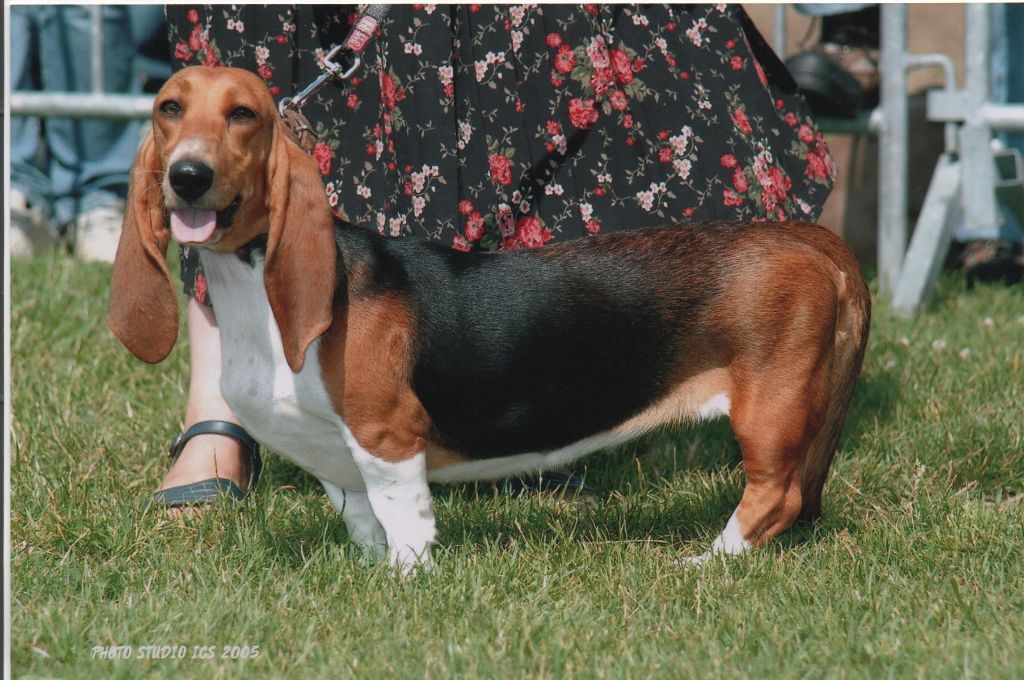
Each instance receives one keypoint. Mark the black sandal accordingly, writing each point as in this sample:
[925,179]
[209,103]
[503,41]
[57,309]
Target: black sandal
[209,490]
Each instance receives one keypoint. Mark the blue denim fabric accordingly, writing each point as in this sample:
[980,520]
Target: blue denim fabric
[1007,86]
[1007,63]
[78,164]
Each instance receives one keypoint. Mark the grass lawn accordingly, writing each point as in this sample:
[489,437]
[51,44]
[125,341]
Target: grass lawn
[916,568]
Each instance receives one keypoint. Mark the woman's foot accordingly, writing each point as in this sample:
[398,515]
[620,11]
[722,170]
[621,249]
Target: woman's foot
[207,456]
[31,233]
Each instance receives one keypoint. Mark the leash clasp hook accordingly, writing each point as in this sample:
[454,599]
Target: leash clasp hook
[332,70]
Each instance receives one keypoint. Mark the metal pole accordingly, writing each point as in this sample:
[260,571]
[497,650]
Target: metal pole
[96,35]
[976,49]
[892,154]
[81,105]
[930,244]
[944,62]
[979,173]
[779,31]
[1009,117]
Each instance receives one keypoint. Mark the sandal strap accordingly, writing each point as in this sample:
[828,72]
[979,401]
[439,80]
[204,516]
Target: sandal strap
[199,493]
[223,427]
[211,427]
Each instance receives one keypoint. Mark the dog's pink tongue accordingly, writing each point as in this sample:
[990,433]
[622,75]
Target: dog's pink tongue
[193,225]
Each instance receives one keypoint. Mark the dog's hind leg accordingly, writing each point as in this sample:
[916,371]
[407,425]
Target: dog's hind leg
[780,399]
[788,406]
[775,429]
[363,528]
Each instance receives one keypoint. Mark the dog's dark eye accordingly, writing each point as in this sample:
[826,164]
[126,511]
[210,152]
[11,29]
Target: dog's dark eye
[243,114]
[171,107]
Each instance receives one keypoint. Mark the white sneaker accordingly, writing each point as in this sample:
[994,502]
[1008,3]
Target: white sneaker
[96,233]
[31,233]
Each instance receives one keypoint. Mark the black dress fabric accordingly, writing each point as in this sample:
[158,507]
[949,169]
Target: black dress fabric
[500,127]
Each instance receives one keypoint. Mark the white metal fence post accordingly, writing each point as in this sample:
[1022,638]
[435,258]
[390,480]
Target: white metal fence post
[892,142]
[979,171]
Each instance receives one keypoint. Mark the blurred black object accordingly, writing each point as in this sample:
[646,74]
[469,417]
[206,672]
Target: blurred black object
[839,75]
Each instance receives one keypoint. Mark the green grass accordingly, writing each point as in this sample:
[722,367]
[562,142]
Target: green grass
[916,568]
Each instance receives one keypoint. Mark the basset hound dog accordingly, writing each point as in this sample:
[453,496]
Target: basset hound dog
[380,365]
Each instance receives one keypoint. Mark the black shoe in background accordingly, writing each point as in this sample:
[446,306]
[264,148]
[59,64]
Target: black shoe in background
[839,76]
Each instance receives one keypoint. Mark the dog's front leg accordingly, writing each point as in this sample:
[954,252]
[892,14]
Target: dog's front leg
[401,502]
[363,528]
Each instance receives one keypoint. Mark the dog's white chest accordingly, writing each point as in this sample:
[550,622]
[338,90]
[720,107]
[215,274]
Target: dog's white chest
[290,413]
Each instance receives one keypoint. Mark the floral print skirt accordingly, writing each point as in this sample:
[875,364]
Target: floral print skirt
[500,127]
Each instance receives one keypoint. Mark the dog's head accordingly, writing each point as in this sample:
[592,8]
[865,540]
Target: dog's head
[217,171]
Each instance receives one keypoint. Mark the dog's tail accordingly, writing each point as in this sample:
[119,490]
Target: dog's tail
[853,318]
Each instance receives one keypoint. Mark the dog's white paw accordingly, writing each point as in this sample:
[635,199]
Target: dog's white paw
[408,561]
[728,543]
[694,561]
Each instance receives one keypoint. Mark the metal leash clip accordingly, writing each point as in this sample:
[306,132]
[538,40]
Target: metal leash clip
[358,38]
[332,71]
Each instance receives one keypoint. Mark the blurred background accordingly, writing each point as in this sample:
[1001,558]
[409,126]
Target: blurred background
[917,102]
[939,30]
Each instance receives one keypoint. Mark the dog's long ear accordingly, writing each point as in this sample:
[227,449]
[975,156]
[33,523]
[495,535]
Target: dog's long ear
[143,306]
[299,271]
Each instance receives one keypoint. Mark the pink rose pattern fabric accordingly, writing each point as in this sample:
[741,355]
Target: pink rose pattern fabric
[501,127]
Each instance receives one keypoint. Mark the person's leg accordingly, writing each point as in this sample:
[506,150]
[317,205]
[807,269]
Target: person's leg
[152,56]
[207,455]
[90,159]
[30,187]
[1014,27]
[26,132]
[1008,28]
[994,253]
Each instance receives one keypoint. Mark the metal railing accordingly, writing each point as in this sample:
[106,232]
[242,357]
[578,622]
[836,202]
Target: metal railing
[95,104]
[965,174]
[84,105]
[965,178]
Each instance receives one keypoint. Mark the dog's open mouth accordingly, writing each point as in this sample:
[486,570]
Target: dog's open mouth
[197,225]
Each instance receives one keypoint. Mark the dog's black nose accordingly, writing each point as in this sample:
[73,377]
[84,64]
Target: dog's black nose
[191,179]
